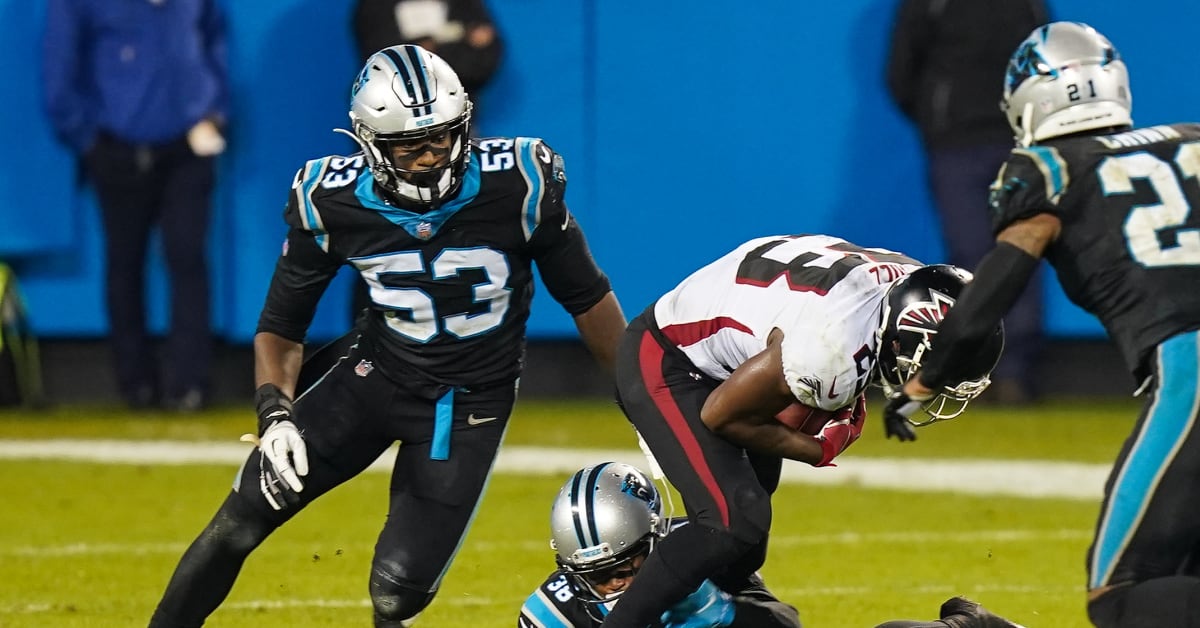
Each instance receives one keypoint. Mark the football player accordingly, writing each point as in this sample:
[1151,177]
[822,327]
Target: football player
[605,521]
[793,327]
[1114,211]
[446,231]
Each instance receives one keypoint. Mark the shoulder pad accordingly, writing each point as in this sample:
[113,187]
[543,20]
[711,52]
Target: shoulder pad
[1031,181]
[819,377]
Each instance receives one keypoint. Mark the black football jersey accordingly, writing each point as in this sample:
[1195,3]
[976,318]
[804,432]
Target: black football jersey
[555,605]
[1129,250]
[450,288]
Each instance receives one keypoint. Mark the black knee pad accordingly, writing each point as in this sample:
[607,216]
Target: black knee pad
[396,601]
[1173,601]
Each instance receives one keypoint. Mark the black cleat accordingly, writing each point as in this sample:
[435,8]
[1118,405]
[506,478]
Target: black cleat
[959,612]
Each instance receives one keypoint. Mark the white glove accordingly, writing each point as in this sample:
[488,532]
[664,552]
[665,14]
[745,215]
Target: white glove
[284,459]
[287,452]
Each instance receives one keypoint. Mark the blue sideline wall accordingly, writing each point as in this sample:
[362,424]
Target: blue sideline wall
[687,127]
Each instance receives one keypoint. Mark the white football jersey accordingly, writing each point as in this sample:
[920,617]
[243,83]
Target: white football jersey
[824,293]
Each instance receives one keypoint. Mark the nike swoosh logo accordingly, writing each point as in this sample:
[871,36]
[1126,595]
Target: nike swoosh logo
[471,420]
[832,394]
[278,413]
[566,221]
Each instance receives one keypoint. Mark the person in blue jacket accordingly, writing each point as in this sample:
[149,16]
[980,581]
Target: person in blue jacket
[139,91]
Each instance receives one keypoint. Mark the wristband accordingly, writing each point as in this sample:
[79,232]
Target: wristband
[268,401]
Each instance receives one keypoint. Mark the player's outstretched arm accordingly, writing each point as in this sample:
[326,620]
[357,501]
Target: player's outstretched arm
[1000,278]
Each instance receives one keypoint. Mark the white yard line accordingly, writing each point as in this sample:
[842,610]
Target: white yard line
[940,538]
[1019,478]
[477,600]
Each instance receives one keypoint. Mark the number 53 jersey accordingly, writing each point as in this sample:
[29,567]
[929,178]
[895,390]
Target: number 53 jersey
[824,293]
[1129,248]
[450,287]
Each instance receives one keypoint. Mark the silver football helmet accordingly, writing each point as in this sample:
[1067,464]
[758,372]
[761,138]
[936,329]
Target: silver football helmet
[406,102]
[1065,78]
[912,311]
[603,517]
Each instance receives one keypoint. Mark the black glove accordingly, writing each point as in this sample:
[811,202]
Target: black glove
[896,413]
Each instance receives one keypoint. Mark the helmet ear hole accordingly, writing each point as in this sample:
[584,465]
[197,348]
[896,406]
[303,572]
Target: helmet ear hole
[364,131]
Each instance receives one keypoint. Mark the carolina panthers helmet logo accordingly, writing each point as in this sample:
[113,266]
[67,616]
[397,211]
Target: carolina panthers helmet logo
[923,317]
[1026,62]
[637,487]
[360,81]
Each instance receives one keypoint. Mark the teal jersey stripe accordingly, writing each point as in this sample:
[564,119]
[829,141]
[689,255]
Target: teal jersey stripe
[1166,427]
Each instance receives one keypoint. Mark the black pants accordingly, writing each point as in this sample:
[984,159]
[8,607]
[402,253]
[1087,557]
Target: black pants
[349,417]
[1146,550]
[725,489]
[140,187]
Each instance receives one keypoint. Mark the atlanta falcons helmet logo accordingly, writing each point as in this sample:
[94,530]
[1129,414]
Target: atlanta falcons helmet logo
[923,317]
[913,309]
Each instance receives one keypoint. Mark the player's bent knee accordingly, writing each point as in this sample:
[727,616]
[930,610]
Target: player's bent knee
[397,603]
[750,519]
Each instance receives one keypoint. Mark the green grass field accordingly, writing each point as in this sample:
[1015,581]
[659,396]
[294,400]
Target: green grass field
[87,544]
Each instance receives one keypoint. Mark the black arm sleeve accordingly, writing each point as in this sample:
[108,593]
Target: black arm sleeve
[301,275]
[566,265]
[1000,278]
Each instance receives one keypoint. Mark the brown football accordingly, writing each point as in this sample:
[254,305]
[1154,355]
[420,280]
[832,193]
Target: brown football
[804,418]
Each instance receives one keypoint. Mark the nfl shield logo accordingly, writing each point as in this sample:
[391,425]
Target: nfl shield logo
[363,368]
[424,230]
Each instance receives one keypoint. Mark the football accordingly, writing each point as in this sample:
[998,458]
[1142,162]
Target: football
[804,418]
